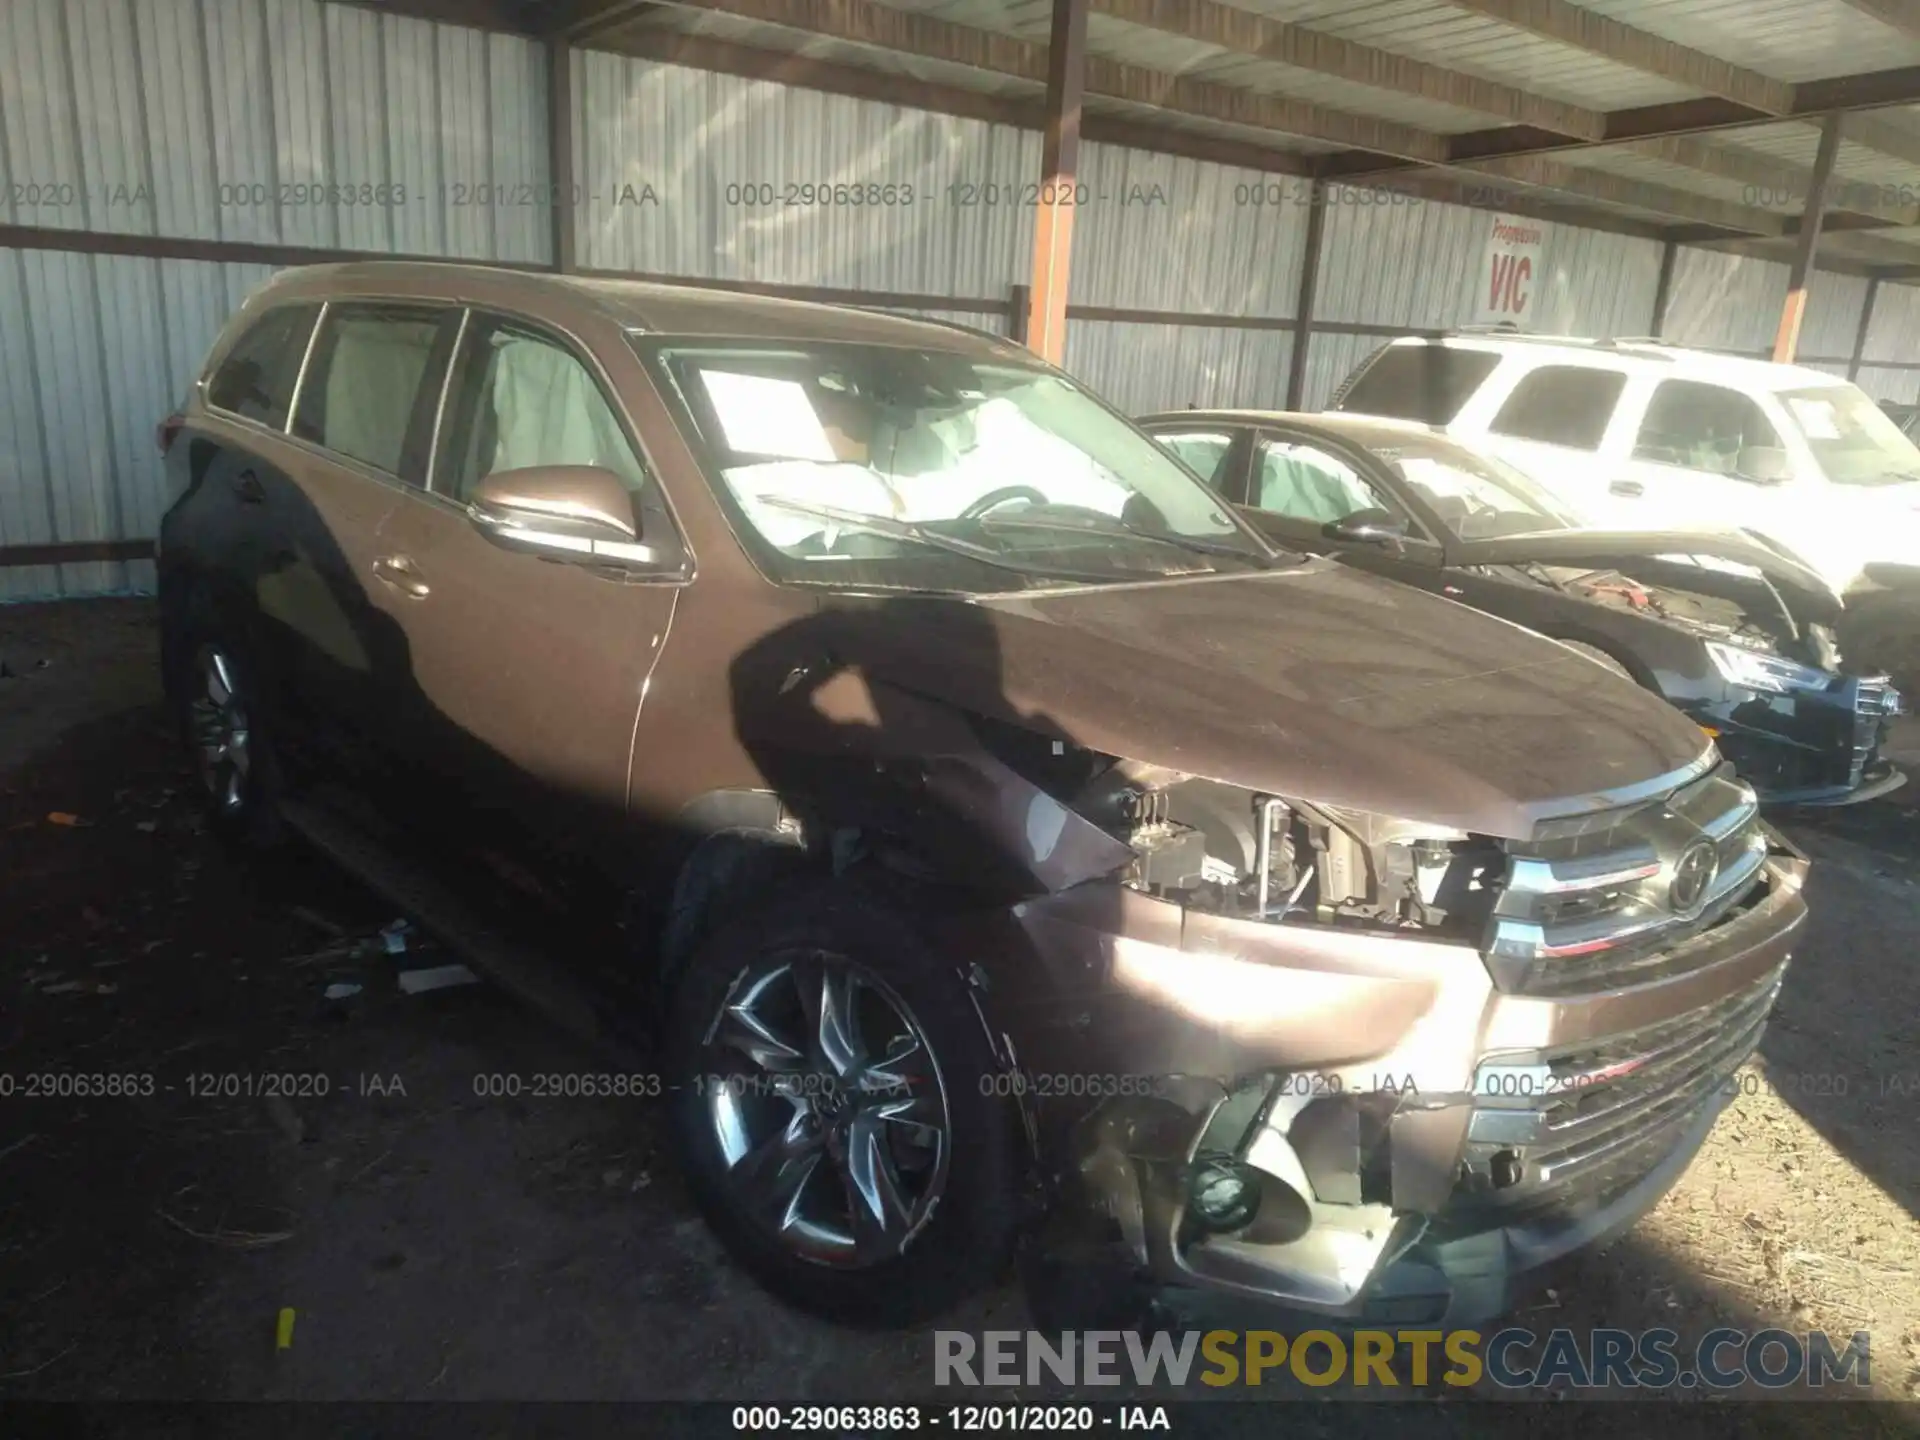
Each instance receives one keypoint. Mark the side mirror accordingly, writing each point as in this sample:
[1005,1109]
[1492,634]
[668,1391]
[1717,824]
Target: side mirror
[1367,527]
[563,512]
[1762,464]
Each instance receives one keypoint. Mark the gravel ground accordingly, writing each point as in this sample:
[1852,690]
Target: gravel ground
[437,1243]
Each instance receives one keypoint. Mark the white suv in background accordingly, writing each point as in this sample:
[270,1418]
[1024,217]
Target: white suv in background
[1636,435]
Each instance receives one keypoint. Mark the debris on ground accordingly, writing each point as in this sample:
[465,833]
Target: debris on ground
[437,977]
[64,817]
[341,991]
[395,936]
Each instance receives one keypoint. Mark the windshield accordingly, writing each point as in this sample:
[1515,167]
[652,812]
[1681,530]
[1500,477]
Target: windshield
[1474,497]
[1852,439]
[875,466]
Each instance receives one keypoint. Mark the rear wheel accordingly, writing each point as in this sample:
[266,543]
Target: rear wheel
[837,1110]
[217,707]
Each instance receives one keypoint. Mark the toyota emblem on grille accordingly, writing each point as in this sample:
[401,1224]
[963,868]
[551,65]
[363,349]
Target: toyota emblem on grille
[1693,875]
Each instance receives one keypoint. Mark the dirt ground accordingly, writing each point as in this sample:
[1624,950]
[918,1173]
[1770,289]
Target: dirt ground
[435,1242]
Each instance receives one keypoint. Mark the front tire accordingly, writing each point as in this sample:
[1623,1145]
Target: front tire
[837,1109]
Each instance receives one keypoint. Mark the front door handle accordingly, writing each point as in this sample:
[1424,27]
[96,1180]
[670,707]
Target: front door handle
[402,574]
[247,486]
[1630,488]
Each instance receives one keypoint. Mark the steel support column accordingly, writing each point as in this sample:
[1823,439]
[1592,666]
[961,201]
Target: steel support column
[1059,164]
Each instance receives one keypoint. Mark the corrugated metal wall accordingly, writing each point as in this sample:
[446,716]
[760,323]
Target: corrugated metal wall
[94,349]
[685,172]
[1891,336]
[1162,232]
[324,125]
[280,121]
[1138,367]
[1724,302]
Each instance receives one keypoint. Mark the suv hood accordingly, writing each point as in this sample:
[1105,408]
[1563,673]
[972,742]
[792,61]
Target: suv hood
[1314,682]
[1659,557]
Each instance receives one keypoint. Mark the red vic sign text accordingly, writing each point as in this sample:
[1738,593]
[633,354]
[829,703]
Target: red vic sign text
[1506,282]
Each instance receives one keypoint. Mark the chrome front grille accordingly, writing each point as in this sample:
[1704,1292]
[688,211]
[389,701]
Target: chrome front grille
[1582,1122]
[1605,900]
[1875,702]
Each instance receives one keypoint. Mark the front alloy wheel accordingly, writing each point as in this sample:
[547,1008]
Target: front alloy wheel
[827,1108]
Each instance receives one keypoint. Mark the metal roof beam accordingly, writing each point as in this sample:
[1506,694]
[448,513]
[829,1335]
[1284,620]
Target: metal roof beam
[1901,15]
[862,22]
[1639,49]
[1246,33]
[1811,101]
[1605,188]
[1763,171]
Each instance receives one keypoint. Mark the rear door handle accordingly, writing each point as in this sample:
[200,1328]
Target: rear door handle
[402,574]
[247,486]
[1628,488]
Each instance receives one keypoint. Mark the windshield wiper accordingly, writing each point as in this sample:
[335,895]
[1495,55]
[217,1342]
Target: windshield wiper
[919,535]
[1114,528]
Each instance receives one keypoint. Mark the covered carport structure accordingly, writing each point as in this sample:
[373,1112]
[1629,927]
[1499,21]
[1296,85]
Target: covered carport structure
[1180,200]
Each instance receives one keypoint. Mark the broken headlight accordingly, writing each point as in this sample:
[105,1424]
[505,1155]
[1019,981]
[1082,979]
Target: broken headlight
[1231,851]
[1754,670]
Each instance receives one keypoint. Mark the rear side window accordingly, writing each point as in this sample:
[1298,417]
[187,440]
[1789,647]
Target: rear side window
[1427,383]
[1702,427]
[256,379]
[1561,405]
[367,383]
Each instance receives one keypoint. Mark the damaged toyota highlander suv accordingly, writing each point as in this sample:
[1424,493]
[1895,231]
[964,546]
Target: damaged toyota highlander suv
[1006,839]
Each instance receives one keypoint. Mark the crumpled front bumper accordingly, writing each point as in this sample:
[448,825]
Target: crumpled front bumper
[1422,1140]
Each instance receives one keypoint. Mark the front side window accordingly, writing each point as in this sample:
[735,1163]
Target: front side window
[1428,383]
[873,465]
[1561,405]
[525,400]
[1306,483]
[1702,427]
[257,377]
[1202,451]
[1474,497]
[1852,439]
[364,390]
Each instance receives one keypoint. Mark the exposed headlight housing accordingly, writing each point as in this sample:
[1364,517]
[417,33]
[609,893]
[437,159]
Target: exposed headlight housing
[1769,673]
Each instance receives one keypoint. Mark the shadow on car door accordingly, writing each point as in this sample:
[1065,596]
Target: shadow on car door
[527,674]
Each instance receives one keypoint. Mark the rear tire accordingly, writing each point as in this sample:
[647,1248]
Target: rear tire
[216,704]
[837,1110]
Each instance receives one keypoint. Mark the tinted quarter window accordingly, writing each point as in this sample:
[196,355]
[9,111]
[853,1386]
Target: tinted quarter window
[1305,483]
[523,399]
[1202,451]
[366,394]
[1428,383]
[1561,405]
[1701,427]
[256,379]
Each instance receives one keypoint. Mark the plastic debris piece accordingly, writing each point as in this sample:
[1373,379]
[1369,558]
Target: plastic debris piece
[394,937]
[62,817]
[283,1331]
[342,991]
[438,977]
